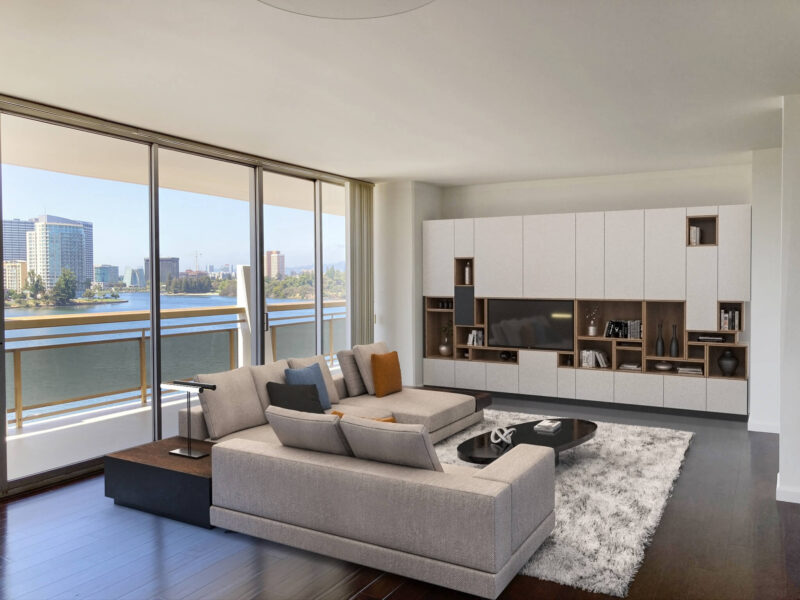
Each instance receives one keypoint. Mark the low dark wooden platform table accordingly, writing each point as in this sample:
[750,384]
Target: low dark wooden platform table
[573,432]
[149,478]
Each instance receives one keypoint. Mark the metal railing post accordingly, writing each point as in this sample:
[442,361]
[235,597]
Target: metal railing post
[330,339]
[143,366]
[232,347]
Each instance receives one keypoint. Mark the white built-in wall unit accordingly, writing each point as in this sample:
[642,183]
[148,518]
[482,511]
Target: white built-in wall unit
[684,271]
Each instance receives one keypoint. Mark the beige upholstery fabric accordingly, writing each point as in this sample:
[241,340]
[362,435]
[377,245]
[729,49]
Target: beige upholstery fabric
[301,363]
[392,443]
[199,429]
[263,433]
[309,431]
[351,374]
[363,355]
[434,409]
[530,472]
[456,426]
[365,412]
[341,387]
[262,374]
[234,405]
[462,520]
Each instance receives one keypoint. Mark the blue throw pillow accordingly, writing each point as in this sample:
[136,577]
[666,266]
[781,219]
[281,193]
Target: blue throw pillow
[310,375]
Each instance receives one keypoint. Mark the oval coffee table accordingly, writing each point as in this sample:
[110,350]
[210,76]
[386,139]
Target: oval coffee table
[573,432]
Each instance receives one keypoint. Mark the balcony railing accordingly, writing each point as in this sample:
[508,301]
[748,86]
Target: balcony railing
[60,364]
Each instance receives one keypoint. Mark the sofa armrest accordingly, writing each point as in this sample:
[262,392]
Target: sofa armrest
[530,471]
[341,387]
[199,428]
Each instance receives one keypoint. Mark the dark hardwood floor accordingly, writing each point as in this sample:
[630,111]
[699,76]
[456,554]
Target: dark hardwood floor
[722,536]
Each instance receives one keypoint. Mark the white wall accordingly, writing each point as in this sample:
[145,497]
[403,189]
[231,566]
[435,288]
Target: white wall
[788,488]
[765,308]
[399,209]
[663,189]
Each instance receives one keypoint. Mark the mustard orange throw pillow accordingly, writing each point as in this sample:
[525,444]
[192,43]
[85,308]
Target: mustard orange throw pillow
[381,419]
[386,373]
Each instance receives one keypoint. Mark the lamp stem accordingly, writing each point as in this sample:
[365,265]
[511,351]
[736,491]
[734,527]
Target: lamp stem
[189,420]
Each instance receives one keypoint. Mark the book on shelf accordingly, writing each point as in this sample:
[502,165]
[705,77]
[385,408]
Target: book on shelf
[729,320]
[624,329]
[594,358]
[694,235]
[690,370]
[475,338]
[630,367]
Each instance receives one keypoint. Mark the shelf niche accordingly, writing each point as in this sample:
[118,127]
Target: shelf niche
[740,352]
[435,319]
[668,313]
[608,310]
[460,266]
[708,230]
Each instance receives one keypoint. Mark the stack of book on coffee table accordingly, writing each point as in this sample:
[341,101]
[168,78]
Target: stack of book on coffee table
[547,426]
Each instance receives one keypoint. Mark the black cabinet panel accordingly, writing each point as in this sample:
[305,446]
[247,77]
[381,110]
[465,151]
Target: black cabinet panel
[465,305]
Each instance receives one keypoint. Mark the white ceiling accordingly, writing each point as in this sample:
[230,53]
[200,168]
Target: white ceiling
[457,92]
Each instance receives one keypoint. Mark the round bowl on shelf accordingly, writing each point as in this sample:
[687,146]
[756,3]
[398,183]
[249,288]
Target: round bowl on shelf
[663,366]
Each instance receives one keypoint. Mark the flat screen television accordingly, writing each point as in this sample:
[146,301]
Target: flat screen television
[533,324]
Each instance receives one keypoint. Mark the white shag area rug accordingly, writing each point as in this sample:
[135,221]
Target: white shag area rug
[610,494]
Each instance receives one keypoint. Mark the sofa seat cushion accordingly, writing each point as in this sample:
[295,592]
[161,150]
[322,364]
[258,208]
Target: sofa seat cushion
[234,405]
[262,433]
[365,412]
[330,386]
[431,408]
[263,374]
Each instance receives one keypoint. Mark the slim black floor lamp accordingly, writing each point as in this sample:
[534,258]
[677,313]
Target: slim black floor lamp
[188,387]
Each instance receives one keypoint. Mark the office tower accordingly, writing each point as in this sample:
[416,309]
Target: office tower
[108,275]
[274,263]
[56,244]
[170,267]
[134,277]
[88,243]
[14,244]
[15,274]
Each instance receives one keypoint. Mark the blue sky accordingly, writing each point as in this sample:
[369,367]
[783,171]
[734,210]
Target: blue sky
[217,228]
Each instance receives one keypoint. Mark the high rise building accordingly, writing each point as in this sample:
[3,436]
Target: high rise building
[170,267]
[274,263]
[15,274]
[88,243]
[14,244]
[108,275]
[56,244]
[134,277]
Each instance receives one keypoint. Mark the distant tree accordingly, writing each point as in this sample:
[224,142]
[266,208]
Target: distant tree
[114,294]
[89,293]
[227,287]
[35,285]
[66,287]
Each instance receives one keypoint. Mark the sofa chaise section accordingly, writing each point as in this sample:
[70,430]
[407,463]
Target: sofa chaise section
[469,531]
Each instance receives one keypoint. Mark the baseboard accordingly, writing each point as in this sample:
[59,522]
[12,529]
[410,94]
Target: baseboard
[785,493]
[763,426]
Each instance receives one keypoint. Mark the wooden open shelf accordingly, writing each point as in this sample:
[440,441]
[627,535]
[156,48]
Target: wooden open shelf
[709,229]
[566,359]
[715,351]
[435,319]
[730,307]
[668,313]
[493,354]
[460,265]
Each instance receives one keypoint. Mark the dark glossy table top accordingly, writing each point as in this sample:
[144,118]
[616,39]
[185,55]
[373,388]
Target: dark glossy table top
[573,432]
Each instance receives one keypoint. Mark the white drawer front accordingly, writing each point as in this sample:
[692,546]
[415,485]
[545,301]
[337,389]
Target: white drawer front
[538,373]
[470,375]
[594,384]
[566,383]
[687,393]
[502,378]
[726,396]
[439,372]
[639,388]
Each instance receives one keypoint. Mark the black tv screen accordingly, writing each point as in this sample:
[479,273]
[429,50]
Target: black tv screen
[534,324]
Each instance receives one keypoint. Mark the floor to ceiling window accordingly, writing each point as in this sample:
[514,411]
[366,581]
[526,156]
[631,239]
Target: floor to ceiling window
[289,265]
[334,265]
[75,231]
[204,226]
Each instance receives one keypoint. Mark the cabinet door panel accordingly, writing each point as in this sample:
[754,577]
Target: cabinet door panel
[566,383]
[687,393]
[594,384]
[726,396]
[549,256]
[624,263]
[590,255]
[639,388]
[439,372]
[502,378]
[464,238]
[470,375]
[701,288]
[438,265]
[734,253]
[665,254]
[538,373]
[498,257]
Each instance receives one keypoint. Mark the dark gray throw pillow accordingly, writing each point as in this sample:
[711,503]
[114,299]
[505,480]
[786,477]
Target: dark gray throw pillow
[304,398]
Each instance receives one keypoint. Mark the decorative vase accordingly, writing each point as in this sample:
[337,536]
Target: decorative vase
[728,363]
[659,342]
[445,349]
[592,328]
[468,273]
[673,344]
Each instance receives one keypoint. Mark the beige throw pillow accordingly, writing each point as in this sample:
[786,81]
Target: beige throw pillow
[263,374]
[308,431]
[234,405]
[363,355]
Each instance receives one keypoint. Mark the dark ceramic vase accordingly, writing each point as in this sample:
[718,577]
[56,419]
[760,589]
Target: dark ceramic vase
[673,345]
[659,342]
[728,363]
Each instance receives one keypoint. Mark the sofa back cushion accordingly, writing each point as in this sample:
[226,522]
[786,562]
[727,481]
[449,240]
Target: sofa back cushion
[310,375]
[352,378]
[262,374]
[308,431]
[394,443]
[234,405]
[330,386]
[363,355]
[304,398]
[386,374]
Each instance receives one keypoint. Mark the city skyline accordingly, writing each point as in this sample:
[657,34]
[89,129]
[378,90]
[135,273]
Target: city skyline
[216,228]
